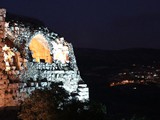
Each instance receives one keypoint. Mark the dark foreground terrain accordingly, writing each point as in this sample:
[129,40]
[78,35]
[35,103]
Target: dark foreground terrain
[98,68]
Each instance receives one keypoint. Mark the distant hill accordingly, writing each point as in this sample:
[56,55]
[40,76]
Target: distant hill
[103,63]
[97,66]
[89,59]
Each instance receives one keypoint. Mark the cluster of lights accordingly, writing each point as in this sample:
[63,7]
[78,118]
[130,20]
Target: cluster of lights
[124,82]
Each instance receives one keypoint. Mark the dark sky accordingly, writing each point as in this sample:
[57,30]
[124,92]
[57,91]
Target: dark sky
[100,24]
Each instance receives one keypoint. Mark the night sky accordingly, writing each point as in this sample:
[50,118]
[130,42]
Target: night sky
[100,24]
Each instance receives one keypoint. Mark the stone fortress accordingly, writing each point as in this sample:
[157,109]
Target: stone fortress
[32,58]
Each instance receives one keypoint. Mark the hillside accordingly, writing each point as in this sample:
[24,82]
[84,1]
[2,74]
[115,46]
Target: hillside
[99,66]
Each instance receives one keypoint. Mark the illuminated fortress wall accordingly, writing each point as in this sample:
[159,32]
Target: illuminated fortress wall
[32,58]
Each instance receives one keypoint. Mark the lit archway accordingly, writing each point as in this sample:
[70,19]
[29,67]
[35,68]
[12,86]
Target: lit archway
[40,49]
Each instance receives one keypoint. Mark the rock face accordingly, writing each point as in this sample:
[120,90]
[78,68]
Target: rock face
[32,58]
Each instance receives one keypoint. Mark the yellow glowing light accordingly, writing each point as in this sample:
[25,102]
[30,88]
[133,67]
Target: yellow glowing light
[40,49]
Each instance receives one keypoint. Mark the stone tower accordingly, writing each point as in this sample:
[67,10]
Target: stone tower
[8,89]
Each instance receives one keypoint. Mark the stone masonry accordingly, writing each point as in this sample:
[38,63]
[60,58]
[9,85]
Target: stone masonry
[32,58]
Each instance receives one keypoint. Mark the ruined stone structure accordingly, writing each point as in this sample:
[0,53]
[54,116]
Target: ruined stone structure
[32,58]
[2,22]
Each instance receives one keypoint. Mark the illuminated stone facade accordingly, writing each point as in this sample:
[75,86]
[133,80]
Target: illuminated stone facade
[32,58]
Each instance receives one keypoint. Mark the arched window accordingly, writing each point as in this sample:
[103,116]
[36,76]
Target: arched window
[40,49]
